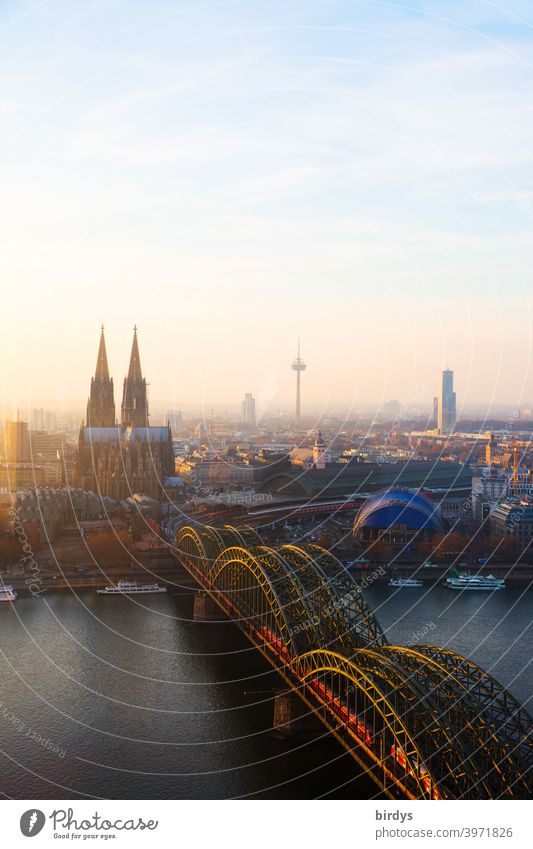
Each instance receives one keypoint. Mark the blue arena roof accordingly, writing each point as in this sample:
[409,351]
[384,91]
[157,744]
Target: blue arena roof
[399,507]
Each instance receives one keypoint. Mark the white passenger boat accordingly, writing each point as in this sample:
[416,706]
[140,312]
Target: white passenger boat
[405,582]
[7,592]
[130,588]
[474,582]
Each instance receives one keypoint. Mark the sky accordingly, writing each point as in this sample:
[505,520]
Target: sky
[227,175]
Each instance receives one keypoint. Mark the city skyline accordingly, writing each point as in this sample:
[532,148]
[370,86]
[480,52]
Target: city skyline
[273,395]
[266,415]
[246,176]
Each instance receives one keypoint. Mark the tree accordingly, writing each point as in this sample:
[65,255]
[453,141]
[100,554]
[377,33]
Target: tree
[380,551]
[110,548]
[10,549]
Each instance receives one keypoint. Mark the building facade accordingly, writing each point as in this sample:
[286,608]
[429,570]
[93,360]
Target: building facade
[248,409]
[319,452]
[513,518]
[17,442]
[398,517]
[489,486]
[118,459]
[447,404]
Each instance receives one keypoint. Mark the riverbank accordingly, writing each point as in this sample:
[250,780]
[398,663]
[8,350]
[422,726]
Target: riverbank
[165,570]
[514,574]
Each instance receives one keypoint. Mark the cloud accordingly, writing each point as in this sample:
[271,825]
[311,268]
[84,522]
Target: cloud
[235,160]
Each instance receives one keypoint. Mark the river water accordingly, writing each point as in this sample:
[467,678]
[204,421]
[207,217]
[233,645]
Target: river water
[127,698]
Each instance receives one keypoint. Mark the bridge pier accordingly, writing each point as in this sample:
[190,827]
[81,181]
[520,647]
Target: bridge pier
[293,718]
[205,609]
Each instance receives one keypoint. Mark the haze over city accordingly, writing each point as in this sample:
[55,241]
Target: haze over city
[229,176]
[266,420]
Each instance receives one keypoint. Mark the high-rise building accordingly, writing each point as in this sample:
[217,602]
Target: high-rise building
[447,404]
[17,442]
[175,420]
[248,409]
[37,419]
[50,421]
[43,420]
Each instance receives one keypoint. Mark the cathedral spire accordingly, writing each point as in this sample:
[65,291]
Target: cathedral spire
[134,398]
[102,370]
[101,404]
[134,372]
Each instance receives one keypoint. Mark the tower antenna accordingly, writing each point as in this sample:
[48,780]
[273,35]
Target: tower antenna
[515,467]
[298,366]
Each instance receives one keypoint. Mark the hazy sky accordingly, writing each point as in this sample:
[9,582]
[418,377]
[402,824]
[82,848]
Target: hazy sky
[229,174]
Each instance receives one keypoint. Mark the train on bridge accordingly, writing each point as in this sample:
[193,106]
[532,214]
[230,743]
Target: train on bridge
[423,721]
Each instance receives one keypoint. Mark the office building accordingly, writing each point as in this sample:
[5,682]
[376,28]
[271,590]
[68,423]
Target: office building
[248,410]
[17,442]
[447,404]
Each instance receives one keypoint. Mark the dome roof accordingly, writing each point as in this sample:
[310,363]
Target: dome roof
[398,507]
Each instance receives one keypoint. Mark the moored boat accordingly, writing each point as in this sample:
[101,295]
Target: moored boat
[7,592]
[405,582]
[459,581]
[130,588]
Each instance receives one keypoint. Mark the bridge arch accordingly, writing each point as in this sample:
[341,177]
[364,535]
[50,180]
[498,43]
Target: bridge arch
[479,710]
[437,724]
[503,729]
[358,705]
[248,582]
[448,754]
[244,535]
[191,546]
[352,624]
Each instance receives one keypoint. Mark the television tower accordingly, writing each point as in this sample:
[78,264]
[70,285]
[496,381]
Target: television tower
[298,366]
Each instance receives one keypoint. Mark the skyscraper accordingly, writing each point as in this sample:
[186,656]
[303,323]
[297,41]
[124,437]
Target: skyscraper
[248,409]
[447,403]
[17,442]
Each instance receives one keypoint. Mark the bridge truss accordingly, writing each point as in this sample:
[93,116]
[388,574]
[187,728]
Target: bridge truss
[424,722]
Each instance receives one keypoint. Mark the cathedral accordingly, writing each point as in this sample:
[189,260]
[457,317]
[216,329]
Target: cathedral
[120,459]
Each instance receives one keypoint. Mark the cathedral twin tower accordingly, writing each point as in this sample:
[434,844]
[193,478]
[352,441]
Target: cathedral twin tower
[122,459]
[101,404]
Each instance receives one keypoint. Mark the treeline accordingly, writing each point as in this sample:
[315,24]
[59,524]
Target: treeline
[110,549]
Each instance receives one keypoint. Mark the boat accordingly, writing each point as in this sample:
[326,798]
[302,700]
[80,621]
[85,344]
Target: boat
[130,588]
[405,582]
[7,592]
[460,581]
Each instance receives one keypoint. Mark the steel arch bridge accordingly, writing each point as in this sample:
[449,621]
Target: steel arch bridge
[423,721]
